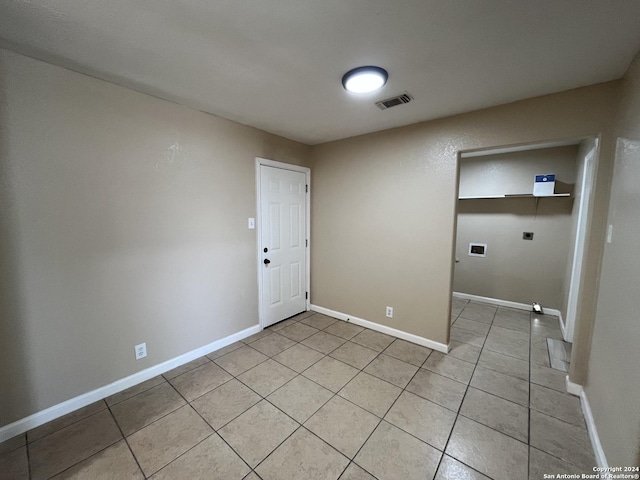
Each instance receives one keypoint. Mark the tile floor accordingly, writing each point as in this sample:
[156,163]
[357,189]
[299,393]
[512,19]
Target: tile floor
[316,398]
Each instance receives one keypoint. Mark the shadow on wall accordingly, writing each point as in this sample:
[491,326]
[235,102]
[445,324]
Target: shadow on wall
[15,391]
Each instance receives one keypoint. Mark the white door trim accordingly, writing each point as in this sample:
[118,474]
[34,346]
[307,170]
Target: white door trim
[579,253]
[307,172]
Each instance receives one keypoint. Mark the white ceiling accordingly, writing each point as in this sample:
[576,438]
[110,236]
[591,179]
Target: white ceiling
[277,64]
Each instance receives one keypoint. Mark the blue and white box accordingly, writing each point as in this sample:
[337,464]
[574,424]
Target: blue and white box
[545,185]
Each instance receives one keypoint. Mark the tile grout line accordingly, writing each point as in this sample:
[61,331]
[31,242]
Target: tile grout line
[498,396]
[300,425]
[444,450]
[26,444]
[17,447]
[380,419]
[132,396]
[214,431]
[557,458]
[95,453]
[405,390]
[529,407]
[125,438]
[62,428]
[456,412]
[84,459]
[297,374]
[546,414]
[108,407]
[402,391]
[234,377]
[164,414]
[469,386]
[65,426]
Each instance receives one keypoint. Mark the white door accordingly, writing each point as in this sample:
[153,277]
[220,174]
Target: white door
[282,246]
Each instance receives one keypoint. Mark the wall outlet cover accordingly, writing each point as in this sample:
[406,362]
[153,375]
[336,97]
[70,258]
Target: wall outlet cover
[141,351]
[389,312]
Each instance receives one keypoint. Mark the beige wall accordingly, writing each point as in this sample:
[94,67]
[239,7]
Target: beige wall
[124,220]
[613,382]
[514,269]
[514,173]
[384,205]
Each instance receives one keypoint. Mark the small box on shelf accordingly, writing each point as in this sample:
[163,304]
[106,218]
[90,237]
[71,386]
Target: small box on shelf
[544,185]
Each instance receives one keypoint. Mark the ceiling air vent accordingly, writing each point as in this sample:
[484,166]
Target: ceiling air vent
[394,101]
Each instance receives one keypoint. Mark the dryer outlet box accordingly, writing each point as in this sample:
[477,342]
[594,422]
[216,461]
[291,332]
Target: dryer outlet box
[477,249]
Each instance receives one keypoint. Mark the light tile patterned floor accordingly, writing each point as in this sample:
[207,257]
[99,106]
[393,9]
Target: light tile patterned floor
[316,398]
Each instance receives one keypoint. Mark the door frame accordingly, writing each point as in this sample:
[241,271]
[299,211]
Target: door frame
[260,162]
[587,202]
[578,251]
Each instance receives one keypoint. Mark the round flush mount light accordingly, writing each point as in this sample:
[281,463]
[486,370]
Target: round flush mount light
[364,79]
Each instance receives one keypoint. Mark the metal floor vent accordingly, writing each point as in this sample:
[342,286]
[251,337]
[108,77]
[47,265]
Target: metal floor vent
[394,101]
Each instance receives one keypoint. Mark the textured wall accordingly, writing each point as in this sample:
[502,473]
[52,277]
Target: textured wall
[515,269]
[613,382]
[384,205]
[124,220]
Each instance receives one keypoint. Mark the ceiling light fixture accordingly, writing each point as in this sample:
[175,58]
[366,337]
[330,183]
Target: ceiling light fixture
[364,79]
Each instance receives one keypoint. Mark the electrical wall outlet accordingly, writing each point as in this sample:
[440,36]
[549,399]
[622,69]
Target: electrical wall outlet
[141,351]
[389,312]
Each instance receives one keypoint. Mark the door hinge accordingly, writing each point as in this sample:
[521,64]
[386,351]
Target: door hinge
[306,242]
[306,188]
[306,295]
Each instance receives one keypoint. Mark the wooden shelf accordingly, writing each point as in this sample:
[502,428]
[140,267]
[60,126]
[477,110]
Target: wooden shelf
[515,195]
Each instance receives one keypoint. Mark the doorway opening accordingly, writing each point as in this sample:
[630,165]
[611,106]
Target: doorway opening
[533,234]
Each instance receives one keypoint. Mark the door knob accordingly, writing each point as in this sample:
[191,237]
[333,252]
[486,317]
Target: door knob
[267,261]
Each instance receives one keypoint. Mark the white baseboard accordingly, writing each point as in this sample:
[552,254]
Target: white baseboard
[563,329]
[68,406]
[492,301]
[573,388]
[410,337]
[601,460]
[578,390]
[506,303]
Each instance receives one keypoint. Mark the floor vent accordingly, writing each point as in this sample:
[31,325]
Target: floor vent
[394,101]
